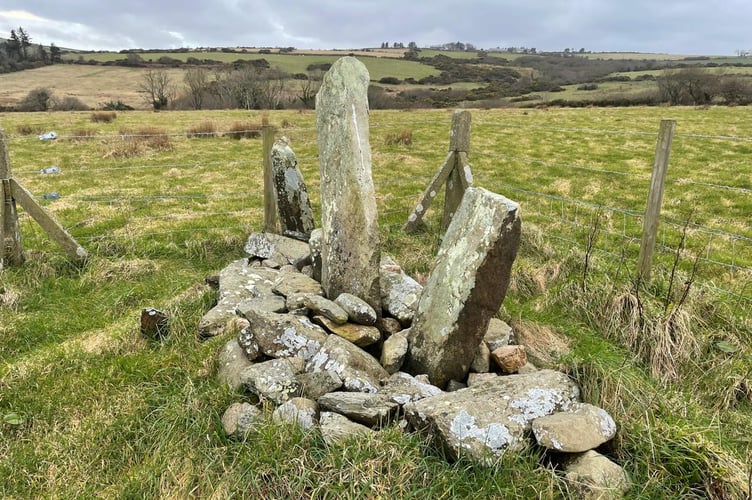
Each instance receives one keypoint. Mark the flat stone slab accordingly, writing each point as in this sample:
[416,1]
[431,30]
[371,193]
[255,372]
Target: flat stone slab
[359,371]
[313,385]
[298,411]
[327,308]
[584,428]
[238,282]
[403,388]
[281,249]
[484,420]
[294,283]
[232,362]
[373,410]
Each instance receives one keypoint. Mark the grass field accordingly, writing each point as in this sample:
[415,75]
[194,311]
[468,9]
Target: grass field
[91,409]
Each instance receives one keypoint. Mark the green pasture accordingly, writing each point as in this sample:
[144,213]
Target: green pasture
[89,408]
[378,67]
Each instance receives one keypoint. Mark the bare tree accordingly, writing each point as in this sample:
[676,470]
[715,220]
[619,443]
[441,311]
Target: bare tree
[197,82]
[309,88]
[156,86]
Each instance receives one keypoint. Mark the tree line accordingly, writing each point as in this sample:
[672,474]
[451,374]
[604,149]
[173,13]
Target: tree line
[18,53]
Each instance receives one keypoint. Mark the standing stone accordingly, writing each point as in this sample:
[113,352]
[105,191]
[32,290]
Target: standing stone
[293,205]
[351,242]
[466,286]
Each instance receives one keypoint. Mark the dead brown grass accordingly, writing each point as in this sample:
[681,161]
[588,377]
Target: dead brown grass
[204,130]
[103,116]
[545,346]
[247,130]
[401,138]
[135,142]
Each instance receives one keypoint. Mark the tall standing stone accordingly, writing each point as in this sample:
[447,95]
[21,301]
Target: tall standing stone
[466,286]
[293,205]
[351,242]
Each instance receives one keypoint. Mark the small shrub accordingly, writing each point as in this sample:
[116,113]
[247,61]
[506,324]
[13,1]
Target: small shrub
[83,134]
[588,86]
[36,100]
[138,141]
[29,130]
[403,138]
[117,106]
[203,130]
[286,123]
[103,116]
[70,103]
[239,130]
[390,80]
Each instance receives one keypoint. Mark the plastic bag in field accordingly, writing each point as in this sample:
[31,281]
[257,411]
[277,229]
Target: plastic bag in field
[50,170]
[49,136]
[51,196]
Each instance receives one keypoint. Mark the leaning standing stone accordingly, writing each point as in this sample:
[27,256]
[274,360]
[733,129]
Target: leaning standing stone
[466,286]
[293,205]
[351,242]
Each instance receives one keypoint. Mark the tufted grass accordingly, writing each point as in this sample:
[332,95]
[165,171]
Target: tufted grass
[89,408]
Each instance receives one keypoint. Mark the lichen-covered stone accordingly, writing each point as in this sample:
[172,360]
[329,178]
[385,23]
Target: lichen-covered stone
[399,292]
[358,370]
[273,380]
[403,388]
[466,286]
[498,334]
[286,335]
[484,420]
[349,220]
[313,385]
[239,419]
[583,428]
[279,248]
[357,309]
[291,195]
[299,411]
[238,282]
[295,283]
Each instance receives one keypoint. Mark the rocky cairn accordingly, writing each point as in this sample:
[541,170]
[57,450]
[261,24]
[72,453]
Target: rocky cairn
[337,338]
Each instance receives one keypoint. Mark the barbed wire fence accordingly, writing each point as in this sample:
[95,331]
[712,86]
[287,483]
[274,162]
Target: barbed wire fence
[199,209]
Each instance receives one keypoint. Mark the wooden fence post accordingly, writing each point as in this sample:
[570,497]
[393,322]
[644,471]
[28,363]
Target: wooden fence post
[10,233]
[455,172]
[270,204]
[655,198]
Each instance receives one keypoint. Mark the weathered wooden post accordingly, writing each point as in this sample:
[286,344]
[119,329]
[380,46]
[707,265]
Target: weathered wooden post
[455,171]
[270,205]
[10,234]
[655,198]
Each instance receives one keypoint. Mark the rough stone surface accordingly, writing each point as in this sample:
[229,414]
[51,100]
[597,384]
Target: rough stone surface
[498,334]
[477,378]
[399,292]
[349,220]
[373,410]
[591,476]
[454,385]
[393,352]
[316,384]
[482,360]
[466,286]
[293,205]
[324,307]
[403,388]
[285,335]
[360,335]
[239,419]
[248,343]
[295,283]
[357,309]
[482,421]
[238,282]
[358,370]
[267,303]
[232,362]
[336,428]
[274,380]
[299,411]
[510,358]
[583,429]
[279,248]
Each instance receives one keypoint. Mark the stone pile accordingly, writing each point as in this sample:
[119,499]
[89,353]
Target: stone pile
[336,337]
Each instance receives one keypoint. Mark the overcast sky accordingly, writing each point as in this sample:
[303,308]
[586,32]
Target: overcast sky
[668,26]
